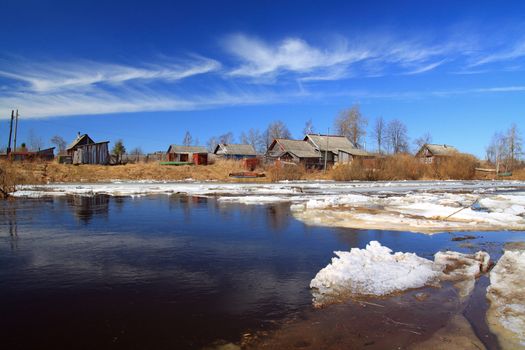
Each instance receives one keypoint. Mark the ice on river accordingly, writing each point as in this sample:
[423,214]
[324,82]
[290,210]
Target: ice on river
[506,293]
[418,206]
[377,271]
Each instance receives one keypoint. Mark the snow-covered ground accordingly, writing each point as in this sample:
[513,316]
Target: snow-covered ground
[506,293]
[419,206]
[377,271]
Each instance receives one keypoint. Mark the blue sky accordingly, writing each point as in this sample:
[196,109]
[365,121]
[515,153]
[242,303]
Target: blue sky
[148,71]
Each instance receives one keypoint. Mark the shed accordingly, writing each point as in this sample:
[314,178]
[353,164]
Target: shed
[336,149]
[235,151]
[83,150]
[430,153]
[297,151]
[47,154]
[197,155]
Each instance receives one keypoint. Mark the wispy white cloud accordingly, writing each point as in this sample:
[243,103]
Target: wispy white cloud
[373,55]
[505,54]
[56,76]
[286,68]
[259,58]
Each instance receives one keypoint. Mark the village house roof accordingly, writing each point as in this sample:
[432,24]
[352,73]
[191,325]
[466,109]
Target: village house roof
[187,149]
[334,144]
[235,149]
[299,148]
[80,138]
[438,150]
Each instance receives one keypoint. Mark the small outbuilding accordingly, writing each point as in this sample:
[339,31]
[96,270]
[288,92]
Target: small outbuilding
[235,151]
[296,151]
[197,155]
[47,154]
[431,153]
[83,150]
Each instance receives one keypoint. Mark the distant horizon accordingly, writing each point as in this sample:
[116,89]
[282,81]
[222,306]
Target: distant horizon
[148,72]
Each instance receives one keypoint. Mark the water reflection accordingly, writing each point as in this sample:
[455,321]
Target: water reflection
[85,208]
[160,272]
[9,223]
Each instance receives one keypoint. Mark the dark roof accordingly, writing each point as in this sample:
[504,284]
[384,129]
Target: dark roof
[299,148]
[235,149]
[187,149]
[439,150]
[334,144]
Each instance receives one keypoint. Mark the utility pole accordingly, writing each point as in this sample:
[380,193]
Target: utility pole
[8,151]
[326,150]
[16,130]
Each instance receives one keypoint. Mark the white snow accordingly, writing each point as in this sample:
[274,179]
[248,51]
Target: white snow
[463,269]
[377,271]
[371,271]
[506,293]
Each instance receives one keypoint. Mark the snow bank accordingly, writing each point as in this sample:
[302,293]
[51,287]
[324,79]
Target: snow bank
[506,293]
[462,269]
[371,271]
[377,271]
[417,212]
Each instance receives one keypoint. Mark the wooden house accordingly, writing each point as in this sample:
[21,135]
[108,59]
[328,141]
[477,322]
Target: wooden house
[197,155]
[431,153]
[47,154]
[83,150]
[295,151]
[235,151]
[336,149]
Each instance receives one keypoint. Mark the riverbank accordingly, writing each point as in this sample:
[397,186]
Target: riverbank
[52,172]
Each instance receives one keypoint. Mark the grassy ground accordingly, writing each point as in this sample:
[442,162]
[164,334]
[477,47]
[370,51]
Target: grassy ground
[44,172]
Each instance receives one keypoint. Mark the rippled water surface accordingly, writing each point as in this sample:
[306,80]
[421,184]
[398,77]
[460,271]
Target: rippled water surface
[166,271]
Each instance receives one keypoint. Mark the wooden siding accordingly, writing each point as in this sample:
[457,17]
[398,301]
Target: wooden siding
[94,153]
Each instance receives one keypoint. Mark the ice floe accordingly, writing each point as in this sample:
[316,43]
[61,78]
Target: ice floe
[418,206]
[374,270]
[506,293]
[419,212]
[377,271]
[461,268]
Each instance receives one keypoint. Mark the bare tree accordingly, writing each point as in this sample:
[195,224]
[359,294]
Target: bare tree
[514,145]
[59,142]
[352,124]
[136,153]
[226,138]
[188,140]
[212,143]
[422,140]
[308,127]
[497,151]
[254,138]
[396,134]
[35,141]
[378,133]
[277,130]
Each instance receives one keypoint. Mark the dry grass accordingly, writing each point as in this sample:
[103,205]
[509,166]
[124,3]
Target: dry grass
[9,178]
[280,172]
[396,167]
[353,171]
[400,167]
[458,167]
[42,172]
[518,174]
[407,167]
